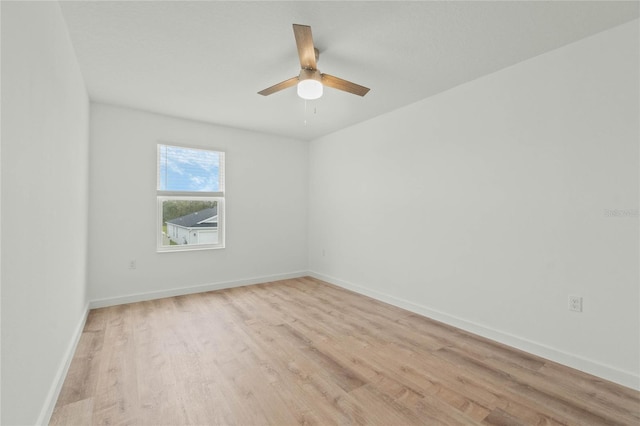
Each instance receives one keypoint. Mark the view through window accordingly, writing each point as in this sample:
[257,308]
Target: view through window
[190,195]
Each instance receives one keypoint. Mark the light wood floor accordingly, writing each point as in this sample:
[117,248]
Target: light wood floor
[305,352]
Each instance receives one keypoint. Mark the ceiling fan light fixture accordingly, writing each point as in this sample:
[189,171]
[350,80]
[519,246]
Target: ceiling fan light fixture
[309,84]
[309,89]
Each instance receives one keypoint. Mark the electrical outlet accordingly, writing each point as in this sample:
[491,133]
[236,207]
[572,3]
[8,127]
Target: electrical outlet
[575,303]
[132,264]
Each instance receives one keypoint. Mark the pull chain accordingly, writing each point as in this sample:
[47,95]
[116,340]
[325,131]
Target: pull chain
[315,111]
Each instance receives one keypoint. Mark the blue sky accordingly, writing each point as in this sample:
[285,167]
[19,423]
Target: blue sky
[188,169]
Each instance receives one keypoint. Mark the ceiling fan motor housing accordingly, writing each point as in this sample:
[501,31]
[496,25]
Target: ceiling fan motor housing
[306,74]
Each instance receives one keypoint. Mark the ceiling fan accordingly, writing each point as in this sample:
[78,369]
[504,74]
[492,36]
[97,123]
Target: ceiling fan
[310,81]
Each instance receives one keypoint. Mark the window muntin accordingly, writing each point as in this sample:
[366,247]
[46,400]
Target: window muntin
[190,193]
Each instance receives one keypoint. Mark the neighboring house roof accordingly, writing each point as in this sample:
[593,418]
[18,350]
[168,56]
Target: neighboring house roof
[200,219]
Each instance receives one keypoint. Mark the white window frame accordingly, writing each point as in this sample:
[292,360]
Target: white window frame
[218,196]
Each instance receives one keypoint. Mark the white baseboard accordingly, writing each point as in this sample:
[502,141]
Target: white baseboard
[61,374]
[606,372]
[141,297]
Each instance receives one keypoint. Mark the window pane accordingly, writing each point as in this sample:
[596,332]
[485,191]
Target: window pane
[189,222]
[188,169]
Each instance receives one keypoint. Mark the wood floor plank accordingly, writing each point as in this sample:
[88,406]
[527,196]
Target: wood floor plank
[74,413]
[116,397]
[305,352]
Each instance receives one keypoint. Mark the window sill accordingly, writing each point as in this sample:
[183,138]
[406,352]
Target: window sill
[187,248]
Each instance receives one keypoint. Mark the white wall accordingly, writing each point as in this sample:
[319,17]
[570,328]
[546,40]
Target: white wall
[484,206]
[266,207]
[44,206]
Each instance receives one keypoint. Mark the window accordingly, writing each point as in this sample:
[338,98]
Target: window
[190,195]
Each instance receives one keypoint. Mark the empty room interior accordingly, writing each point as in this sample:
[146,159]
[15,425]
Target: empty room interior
[309,212]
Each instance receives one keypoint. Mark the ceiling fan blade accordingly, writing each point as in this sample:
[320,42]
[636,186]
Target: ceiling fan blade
[306,50]
[280,86]
[344,85]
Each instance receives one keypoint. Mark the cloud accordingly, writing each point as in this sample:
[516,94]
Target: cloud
[188,169]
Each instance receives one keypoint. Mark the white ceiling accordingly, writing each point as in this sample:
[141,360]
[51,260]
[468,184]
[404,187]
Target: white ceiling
[206,60]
